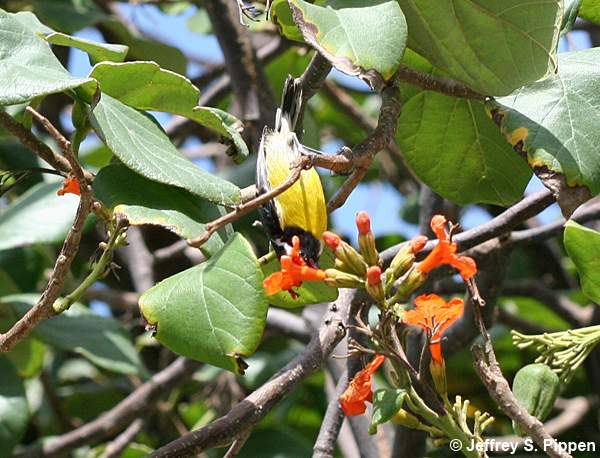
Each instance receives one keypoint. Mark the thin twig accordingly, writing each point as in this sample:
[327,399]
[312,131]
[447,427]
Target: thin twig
[241,210]
[116,447]
[43,309]
[116,419]
[362,155]
[436,83]
[332,423]
[237,445]
[253,408]
[489,372]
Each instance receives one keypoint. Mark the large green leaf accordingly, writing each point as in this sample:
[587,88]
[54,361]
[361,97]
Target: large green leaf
[102,340]
[146,86]
[68,16]
[143,201]
[28,68]
[14,412]
[556,120]
[98,52]
[214,312]
[143,147]
[310,292]
[141,48]
[492,46]
[453,146]
[583,246]
[590,10]
[38,216]
[365,38]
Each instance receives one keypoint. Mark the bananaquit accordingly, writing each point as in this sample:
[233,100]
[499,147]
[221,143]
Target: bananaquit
[300,210]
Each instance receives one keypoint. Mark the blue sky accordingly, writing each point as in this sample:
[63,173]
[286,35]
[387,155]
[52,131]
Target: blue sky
[381,199]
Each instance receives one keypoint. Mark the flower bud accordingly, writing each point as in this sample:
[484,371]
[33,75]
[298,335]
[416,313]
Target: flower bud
[338,279]
[374,286]
[363,222]
[437,369]
[366,239]
[405,418]
[347,258]
[413,280]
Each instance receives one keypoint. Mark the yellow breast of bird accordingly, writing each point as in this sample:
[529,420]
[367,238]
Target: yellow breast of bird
[303,204]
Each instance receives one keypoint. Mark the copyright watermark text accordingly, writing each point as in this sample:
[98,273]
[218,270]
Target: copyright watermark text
[493,445]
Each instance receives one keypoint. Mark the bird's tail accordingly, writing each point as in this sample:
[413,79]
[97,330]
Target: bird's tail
[291,103]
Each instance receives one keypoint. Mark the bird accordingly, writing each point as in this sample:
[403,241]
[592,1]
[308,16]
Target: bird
[300,210]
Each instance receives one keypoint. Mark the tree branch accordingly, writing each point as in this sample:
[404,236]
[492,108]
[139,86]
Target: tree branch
[43,309]
[247,207]
[332,423]
[113,421]
[489,372]
[254,407]
[436,83]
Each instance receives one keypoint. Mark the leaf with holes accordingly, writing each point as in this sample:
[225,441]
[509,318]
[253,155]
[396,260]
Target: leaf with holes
[214,312]
[583,247]
[494,47]
[28,68]
[143,147]
[555,121]
[455,148]
[143,201]
[146,86]
[360,38]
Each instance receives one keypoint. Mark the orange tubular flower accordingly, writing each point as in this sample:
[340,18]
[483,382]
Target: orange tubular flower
[445,252]
[70,186]
[434,315]
[293,272]
[359,390]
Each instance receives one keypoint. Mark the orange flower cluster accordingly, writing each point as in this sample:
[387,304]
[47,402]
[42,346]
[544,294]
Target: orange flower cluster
[293,272]
[360,389]
[434,315]
[445,252]
[70,186]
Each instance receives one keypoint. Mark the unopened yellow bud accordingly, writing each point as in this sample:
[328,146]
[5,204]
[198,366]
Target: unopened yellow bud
[347,258]
[413,280]
[405,418]
[374,285]
[438,375]
[339,279]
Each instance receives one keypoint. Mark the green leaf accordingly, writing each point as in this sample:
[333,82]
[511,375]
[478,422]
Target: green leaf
[98,52]
[310,292]
[143,201]
[146,86]
[214,312]
[583,247]
[142,145]
[38,216]
[28,68]
[386,403]
[492,46]
[590,10]
[68,16]
[555,121]
[227,125]
[453,146]
[102,340]
[364,38]
[281,16]
[141,48]
[14,412]
[28,357]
